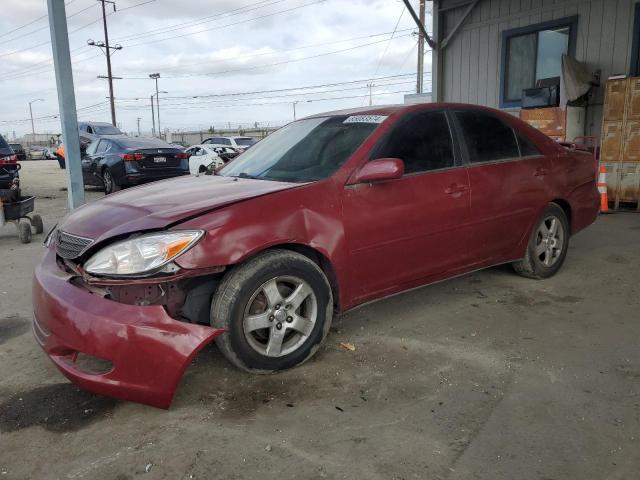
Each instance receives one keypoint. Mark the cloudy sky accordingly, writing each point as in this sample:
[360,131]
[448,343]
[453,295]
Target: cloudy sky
[245,61]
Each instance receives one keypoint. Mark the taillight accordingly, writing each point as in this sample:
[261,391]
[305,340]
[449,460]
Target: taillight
[131,156]
[181,155]
[8,160]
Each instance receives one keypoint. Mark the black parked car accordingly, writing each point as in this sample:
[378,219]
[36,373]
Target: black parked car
[19,151]
[8,164]
[118,162]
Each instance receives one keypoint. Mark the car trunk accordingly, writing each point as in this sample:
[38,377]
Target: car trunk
[159,158]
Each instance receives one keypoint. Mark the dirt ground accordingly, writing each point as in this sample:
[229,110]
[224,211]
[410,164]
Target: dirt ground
[489,376]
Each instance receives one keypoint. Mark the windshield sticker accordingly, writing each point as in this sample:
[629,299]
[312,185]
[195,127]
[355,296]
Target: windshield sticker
[366,119]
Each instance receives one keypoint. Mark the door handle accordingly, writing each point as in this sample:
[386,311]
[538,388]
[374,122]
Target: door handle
[540,172]
[455,189]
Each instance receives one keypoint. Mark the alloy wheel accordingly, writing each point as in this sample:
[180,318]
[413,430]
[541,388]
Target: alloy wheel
[549,241]
[280,316]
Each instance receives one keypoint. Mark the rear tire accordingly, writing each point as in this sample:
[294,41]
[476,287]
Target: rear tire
[276,309]
[548,245]
[24,231]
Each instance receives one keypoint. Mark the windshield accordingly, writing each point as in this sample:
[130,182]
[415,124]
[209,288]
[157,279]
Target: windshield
[303,151]
[245,141]
[106,130]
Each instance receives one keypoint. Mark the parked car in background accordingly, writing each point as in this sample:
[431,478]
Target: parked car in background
[37,152]
[120,161]
[19,151]
[9,166]
[94,130]
[207,157]
[325,214]
[239,143]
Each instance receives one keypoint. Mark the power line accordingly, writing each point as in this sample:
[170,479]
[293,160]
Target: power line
[221,60]
[276,103]
[227,25]
[32,21]
[200,21]
[210,101]
[285,62]
[40,29]
[279,90]
[72,31]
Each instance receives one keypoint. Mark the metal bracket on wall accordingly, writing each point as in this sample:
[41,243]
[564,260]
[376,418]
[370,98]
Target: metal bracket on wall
[467,12]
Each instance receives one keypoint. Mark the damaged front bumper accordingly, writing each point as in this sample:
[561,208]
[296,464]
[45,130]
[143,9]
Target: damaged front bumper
[135,353]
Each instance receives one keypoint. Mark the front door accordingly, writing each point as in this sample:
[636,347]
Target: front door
[411,229]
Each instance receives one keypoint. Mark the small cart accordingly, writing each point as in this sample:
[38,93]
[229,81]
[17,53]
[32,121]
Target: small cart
[18,213]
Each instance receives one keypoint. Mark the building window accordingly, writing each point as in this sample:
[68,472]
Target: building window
[533,54]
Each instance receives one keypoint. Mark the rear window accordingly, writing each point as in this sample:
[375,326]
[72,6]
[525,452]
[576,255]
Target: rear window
[488,138]
[106,130]
[3,143]
[245,141]
[142,143]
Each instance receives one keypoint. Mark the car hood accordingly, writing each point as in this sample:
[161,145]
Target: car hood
[160,204]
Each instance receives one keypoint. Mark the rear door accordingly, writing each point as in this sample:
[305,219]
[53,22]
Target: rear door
[508,188]
[414,228]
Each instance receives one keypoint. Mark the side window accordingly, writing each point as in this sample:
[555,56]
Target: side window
[89,129]
[487,137]
[423,142]
[103,146]
[91,149]
[527,149]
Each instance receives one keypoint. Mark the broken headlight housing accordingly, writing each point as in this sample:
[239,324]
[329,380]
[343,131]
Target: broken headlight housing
[143,255]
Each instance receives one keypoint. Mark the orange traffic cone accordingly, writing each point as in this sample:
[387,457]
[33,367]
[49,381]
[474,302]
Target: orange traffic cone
[602,188]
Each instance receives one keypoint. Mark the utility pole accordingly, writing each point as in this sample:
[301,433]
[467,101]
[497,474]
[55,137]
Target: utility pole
[33,129]
[138,119]
[66,100]
[294,110]
[104,45]
[153,119]
[420,76]
[157,110]
[156,76]
[370,85]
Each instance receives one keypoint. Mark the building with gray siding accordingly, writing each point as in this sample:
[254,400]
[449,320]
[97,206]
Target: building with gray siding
[474,37]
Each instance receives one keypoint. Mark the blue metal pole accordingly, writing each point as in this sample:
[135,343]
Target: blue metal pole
[66,101]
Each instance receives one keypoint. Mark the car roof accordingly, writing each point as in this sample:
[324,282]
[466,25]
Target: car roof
[97,124]
[138,142]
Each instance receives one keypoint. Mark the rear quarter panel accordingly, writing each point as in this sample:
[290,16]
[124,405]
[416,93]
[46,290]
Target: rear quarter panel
[577,172]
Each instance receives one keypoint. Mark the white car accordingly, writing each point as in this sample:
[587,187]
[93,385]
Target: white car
[239,143]
[201,157]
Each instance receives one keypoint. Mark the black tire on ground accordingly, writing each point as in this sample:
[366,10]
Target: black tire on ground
[24,231]
[532,265]
[232,297]
[36,222]
[110,185]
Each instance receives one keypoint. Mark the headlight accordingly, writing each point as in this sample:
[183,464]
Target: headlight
[143,254]
[50,236]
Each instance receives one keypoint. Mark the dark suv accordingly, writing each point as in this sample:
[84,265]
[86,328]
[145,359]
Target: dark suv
[8,164]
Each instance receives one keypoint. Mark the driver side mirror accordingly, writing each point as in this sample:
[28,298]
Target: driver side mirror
[379,170]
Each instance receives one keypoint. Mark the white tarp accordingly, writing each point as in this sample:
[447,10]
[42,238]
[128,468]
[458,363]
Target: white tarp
[574,80]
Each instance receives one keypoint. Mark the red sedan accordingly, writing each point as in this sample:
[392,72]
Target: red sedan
[325,214]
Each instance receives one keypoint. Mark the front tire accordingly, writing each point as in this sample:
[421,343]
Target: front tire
[276,309]
[110,185]
[548,245]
